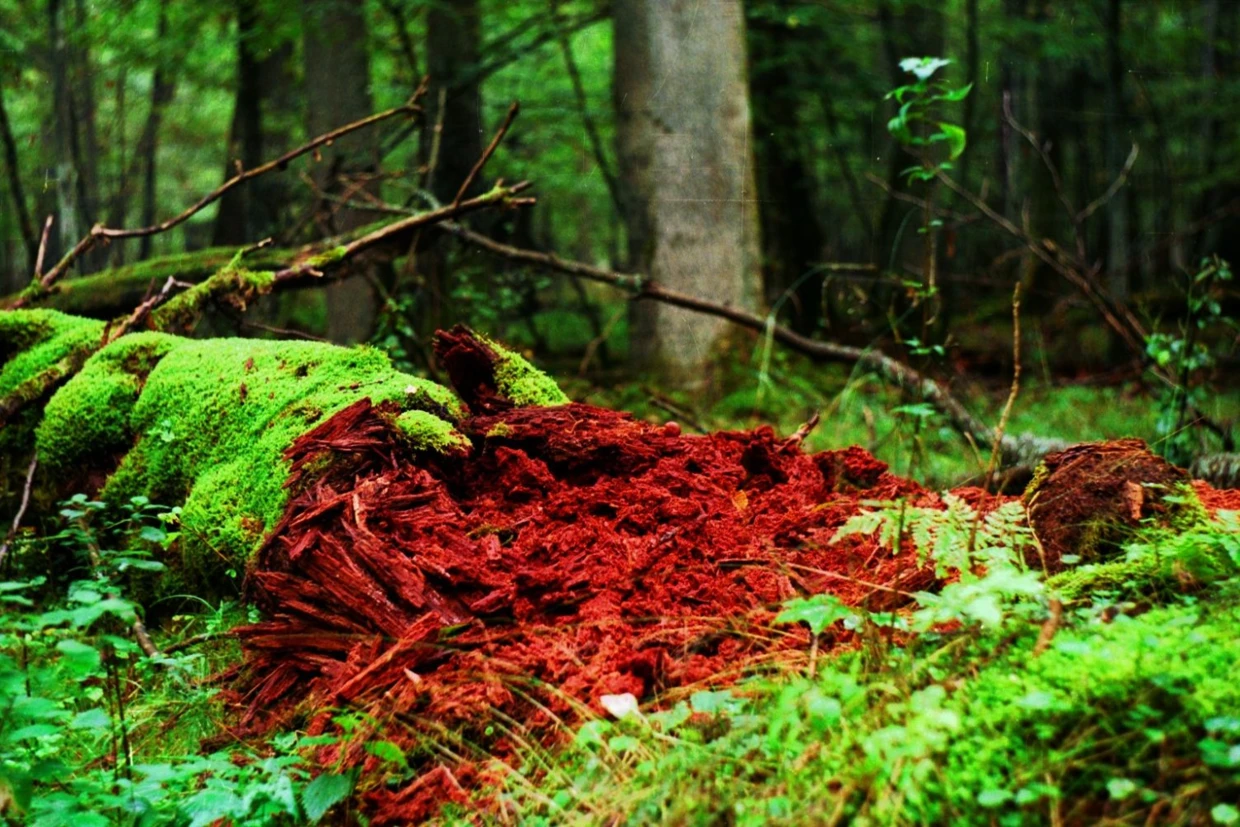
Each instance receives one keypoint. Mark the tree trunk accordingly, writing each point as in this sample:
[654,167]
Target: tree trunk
[792,236]
[686,165]
[452,132]
[256,210]
[16,193]
[161,94]
[337,78]
[67,228]
[1117,150]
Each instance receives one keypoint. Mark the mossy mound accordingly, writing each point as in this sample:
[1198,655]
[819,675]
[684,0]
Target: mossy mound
[205,424]
[1087,501]
[215,417]
[35,341]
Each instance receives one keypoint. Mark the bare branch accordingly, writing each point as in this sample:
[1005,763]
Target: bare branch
[21,510]
[487,153]
[106,233]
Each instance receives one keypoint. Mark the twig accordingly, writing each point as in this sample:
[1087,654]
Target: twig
[205,637]
[598,340]
[1119,181]
[805,430]
[140,312]
[21,510]
[281,331]
[665,404]
[1049,627]
[311,269]
[487,153]
[38,259]
[101,232]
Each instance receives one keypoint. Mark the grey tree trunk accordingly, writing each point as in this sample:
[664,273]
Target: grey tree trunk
[337,78]
[686,164]
[1117,150]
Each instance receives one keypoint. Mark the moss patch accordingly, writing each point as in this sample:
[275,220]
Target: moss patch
[35,341]
[90,415]
[522,383]
[215,417]
[423,431]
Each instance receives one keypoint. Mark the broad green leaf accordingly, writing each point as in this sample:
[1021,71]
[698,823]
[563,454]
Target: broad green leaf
[957,139]
[324,792]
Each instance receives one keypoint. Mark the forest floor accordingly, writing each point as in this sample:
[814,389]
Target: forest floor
[950,676]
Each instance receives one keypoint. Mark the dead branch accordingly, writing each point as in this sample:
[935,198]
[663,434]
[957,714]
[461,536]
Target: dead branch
[487,153]
[38,259]
[98,232]
[21,510]
[1023,450]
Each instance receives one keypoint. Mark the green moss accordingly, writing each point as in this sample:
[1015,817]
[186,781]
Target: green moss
[499,431]
[328,256]
[423,431]
[234,284]
[91,414]
[522,383]
[214,420]
[39,340]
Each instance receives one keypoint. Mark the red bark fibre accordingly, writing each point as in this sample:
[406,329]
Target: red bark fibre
[574,552]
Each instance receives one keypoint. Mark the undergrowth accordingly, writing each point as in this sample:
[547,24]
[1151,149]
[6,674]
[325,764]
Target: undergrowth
[987,703]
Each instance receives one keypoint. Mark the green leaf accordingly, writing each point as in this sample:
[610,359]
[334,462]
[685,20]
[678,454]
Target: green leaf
[818,612]
[324,792]
[956,137]
[1225,814]
[387,751]
[211,805]
[82,660]
[1121,788]
[96,718]
[993,798]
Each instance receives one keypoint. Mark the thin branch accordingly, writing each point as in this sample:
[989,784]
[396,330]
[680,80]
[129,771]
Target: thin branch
[21,510]
[1119,182]
[487,153]
[100,232]
[38,259]
[495,64]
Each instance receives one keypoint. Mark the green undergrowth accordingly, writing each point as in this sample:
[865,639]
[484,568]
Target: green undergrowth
[95,732]
[1119,708]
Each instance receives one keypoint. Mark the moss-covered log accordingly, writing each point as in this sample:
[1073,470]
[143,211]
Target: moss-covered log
[205,424]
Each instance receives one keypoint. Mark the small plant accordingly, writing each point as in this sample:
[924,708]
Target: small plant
[1188,358]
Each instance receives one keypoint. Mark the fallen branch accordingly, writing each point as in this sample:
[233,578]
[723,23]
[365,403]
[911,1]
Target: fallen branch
[99,232]
[1025,449]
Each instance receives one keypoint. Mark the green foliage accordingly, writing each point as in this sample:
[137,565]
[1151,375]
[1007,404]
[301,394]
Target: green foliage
[1188,358]
[77,697]
[915,125]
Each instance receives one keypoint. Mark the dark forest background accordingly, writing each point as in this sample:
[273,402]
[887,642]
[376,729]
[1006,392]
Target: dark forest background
[125,111]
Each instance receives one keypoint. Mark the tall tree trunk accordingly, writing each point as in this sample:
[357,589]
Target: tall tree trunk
[337,78]
[16,193]
[67,228]
[686,164]
[162,90]
[1117,145]
[256,210]
[792,236]
[83,103]
[452,136]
